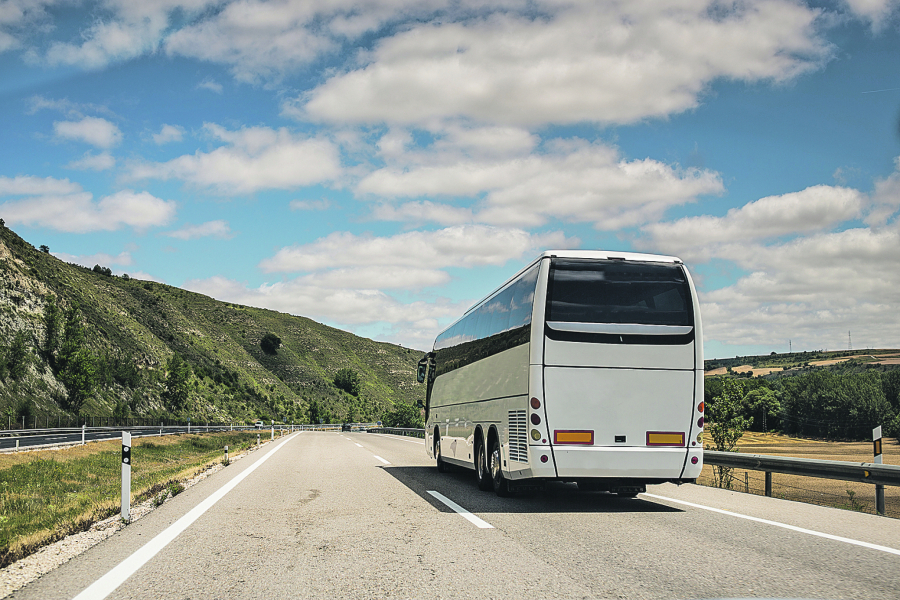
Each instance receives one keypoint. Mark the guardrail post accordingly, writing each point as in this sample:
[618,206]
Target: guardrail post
[879,489]
[82,433]
[126,476]
[769,484]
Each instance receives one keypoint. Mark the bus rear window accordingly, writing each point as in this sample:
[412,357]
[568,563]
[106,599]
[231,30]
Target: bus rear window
[610,291]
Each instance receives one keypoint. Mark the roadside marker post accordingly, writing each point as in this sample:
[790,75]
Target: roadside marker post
[126,476]
[257,440]
[879,489]
[82,433]
[226,454]
[17,445]
[273,429]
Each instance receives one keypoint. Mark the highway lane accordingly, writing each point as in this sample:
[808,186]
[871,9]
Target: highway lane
[351,516]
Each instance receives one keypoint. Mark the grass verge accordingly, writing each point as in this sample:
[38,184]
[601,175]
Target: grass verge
[49,494]
[813,490]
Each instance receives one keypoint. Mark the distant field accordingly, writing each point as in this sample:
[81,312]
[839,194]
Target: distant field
[827,492]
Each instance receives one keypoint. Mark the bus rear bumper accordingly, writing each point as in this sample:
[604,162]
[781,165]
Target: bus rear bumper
[636,462]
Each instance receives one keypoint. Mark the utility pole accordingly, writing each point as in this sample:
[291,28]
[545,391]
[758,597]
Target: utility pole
[849,342]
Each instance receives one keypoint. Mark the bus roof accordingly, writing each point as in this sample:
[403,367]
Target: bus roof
[595,254]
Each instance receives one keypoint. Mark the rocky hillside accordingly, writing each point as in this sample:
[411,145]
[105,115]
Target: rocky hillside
[75,340]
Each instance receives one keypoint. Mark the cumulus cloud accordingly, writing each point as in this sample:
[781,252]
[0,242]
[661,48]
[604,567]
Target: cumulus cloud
[168,133]
[93,162]
[812,290]
[217,229]
[875,12]
[91,130]
[609,62]
[816,208]
[123,259]
[72,210]
[322,204]
[415,323]
[251,159]
[462,246]
[211,85]
[571,180]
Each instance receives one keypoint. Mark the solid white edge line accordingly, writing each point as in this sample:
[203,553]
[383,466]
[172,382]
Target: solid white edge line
[107,584]
[828,536]
[381,459]
[479,523]
[401,439]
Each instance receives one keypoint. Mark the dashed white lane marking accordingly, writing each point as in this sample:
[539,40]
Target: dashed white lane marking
[381,459]
[827,536]
[479,523]
[107,584]
[360,445]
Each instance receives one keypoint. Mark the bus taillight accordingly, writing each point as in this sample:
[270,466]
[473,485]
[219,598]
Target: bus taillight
[535,403]
[535,419]
[700,422]
[700,407]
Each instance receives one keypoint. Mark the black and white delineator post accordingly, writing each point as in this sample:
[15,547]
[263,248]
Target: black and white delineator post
[126,476]
[879,489]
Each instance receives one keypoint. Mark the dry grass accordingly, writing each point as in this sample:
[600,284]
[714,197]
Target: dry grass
[826,492]
[49,494]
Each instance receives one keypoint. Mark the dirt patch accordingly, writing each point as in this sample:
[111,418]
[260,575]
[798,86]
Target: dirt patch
[813,490]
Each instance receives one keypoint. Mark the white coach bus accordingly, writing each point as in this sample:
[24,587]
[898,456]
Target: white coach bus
[586,366]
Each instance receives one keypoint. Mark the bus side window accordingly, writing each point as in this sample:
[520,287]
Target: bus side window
[522,300]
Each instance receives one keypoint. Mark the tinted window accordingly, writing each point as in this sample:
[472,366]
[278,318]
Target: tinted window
[523,299]
[585,291]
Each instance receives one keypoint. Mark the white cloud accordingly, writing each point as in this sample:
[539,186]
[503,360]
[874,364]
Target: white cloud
[27,185]
[16,16]
[811,290]
[92,130]
[76,212]
[571,180]
[211,85]
[123,259]
[875,12]
[217,229]
[814,209]
[322,204]
[415,323]
[462,246]
[609,62]
[168,133]
[93,162]
[252,159]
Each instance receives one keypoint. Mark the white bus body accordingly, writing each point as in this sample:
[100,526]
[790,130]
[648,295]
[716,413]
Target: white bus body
[585,366]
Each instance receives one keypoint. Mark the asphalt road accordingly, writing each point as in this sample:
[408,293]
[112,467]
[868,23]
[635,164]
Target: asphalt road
[329,515]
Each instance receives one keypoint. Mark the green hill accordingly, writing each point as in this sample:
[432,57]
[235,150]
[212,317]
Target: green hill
[125,338]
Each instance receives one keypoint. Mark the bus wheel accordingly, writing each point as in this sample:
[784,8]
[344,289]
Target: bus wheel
[442,467]
[481,469]
[499,483]
[627,494]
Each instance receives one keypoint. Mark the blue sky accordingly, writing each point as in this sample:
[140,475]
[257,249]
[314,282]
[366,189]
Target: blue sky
[379,166]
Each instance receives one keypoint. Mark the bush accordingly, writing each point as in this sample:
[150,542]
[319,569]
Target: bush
[347,380]
[403,415]
[270,343]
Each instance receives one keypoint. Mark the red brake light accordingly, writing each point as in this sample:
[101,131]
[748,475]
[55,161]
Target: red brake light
[535,403]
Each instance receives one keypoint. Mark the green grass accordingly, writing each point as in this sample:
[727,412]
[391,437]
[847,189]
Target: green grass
[47,495]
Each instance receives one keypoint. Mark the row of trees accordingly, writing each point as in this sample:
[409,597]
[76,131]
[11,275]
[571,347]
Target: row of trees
[820,403]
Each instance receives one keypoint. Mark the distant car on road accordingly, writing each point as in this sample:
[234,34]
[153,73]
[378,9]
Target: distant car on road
[259,424]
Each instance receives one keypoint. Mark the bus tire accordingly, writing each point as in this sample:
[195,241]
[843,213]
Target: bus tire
[627,494]
[498,482]
[481,468]
[442,467]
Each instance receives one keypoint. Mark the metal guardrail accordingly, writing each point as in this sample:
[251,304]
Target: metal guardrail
[399,431]
[807,467]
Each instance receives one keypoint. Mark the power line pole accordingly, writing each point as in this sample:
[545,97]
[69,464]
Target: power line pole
[849,342]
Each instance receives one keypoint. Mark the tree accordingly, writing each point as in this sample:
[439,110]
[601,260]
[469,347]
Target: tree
[347,380]
[102,270]
[17,356]
[270,343]
[726,426]
[52,323]
[764,402]
[45,248]
[79,377]
[178,378]
[403,415]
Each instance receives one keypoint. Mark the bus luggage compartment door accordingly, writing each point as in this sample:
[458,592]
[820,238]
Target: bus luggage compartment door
[619,422]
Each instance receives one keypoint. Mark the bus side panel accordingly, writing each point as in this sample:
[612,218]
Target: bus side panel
[479,393]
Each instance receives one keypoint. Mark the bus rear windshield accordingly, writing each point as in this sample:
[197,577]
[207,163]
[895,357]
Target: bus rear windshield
[610,291]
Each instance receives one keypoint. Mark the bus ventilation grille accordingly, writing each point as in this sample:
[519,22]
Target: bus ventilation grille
[518,436]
